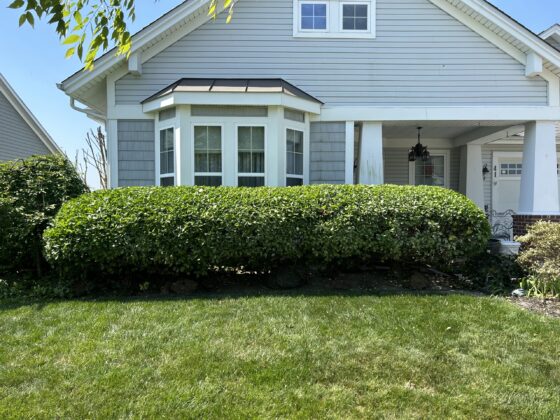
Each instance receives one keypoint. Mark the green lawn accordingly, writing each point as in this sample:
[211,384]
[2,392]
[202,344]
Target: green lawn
[279,356]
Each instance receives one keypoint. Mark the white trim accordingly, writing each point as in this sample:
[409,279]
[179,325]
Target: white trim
[341,17]
[113,152]
[334,20]
[446,167]
[286,174]
[193,173]
[236,158]
[481,113]
[175,174]
[232,98]
[349,153]
[17,103]
[297,21]
[553,30]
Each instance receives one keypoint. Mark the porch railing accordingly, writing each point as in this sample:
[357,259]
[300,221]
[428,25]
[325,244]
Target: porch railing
[502,224]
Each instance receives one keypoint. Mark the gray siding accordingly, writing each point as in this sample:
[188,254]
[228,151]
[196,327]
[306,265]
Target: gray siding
[327,153]
[395,166]
[17,139]
[454,168]
[421,55]
[136,144]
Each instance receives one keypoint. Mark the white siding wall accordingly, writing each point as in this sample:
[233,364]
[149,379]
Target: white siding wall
[17,139]
[421,56]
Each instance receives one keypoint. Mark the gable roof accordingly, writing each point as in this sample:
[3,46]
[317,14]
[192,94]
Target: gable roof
[552,32]
[17,103]
[168,25]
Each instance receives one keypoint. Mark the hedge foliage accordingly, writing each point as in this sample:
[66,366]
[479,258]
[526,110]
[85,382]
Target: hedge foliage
[540,257]
[191,230]
[31,193]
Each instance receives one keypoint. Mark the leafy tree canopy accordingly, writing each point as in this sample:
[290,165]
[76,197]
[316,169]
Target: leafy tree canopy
[88,27]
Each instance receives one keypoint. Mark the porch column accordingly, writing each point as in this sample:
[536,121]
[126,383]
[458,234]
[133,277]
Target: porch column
[471,181]
[371,154]
[349,153]
[539,179]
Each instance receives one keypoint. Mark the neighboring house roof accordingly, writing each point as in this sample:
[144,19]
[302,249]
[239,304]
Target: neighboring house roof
[16,102]
[233,86]
[193,13]
[552,35]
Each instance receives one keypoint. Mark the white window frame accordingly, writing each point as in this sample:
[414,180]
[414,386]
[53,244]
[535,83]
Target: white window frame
[248,174]
[173,174]
[334,20]
[194,173]
[301,3]
[286,174]
[341,17]
[446,169]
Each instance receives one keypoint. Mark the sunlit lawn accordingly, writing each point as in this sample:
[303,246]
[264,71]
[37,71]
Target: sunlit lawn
[279,356]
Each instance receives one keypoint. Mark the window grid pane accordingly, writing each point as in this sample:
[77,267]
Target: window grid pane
[294,152]
[208,149]
[250,145]
[355,17]
[314,16]
[166,152]
[430,172]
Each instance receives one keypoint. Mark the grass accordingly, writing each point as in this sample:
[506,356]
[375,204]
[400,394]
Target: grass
[279,356]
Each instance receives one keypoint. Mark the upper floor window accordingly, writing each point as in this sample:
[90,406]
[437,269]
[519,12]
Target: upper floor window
[355,16]
[313,16]
[334,18]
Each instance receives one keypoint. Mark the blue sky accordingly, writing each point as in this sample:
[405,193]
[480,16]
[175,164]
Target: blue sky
[33,62]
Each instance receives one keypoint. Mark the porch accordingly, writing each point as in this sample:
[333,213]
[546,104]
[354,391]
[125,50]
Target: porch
[485,160]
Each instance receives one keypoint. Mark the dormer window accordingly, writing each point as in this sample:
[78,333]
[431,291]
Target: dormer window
[334,18]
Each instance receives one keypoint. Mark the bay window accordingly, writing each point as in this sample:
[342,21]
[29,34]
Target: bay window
[166,157]
[294,157]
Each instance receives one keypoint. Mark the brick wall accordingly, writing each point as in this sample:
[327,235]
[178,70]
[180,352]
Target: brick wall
[521,222]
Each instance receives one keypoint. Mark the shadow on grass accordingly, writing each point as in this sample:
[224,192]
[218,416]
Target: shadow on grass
[235,293]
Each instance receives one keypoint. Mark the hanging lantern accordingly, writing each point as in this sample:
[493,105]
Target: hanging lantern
[419,151]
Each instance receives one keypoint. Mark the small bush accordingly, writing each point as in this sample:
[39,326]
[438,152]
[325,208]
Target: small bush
[540,257]
[31,193]
[192,230]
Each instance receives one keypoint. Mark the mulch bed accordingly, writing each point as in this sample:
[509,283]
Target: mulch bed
[549,307]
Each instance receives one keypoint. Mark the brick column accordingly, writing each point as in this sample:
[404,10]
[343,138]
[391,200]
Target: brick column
[521,222]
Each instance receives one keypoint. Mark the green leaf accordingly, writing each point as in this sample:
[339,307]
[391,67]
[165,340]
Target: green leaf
[70,52]
[71,39]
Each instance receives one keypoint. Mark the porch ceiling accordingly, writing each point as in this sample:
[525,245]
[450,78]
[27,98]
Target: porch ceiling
[438,130]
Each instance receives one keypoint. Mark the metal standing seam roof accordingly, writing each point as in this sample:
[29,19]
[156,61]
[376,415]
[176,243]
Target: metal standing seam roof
[233,86]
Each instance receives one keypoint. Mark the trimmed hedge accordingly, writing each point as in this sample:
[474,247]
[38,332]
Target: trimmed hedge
[191,230]
[31,193]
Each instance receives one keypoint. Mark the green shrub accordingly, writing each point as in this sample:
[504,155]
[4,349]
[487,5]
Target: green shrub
[31,193]
[540,257]
[491,273]
[191,230]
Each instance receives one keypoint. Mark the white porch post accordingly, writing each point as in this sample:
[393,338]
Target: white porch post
[371,154]
[111,127]
[349,153]
[471,181]
[539,179]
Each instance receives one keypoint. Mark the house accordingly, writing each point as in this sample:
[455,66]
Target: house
[21,135]
[335,91]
